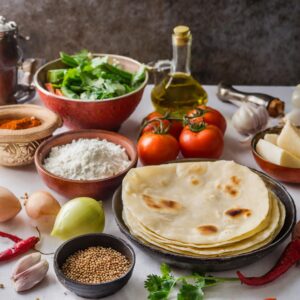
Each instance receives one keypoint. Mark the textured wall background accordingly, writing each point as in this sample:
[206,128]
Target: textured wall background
[243,42]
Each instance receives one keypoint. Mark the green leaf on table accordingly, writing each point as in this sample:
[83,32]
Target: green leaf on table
[190,287]
[190,292]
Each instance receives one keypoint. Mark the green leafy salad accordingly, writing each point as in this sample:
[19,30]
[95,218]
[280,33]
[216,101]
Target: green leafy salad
[92,78]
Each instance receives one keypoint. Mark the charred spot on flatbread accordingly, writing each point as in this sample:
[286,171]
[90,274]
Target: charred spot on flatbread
[163,205]
[235,180]
[207,229]
[195,181]
[237,212]
[229,189]
[197,169]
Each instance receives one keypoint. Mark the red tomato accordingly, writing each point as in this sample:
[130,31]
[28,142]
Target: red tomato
[208,115]
[175,126]
[206,143]
[153,115]
[155,125]
[154,149]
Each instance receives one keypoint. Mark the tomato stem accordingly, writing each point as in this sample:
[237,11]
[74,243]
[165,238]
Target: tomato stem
[197,127]
[161,129]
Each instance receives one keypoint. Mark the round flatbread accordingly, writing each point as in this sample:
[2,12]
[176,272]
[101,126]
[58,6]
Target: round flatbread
[202,203]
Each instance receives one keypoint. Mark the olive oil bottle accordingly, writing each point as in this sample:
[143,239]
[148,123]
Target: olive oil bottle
[178,92]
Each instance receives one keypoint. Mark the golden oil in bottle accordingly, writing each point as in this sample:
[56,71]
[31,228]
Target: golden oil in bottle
[178,92]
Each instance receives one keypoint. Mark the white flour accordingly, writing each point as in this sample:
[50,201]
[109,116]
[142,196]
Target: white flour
[87,159]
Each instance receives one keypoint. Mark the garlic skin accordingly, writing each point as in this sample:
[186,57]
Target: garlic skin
[293,116]
[296,97]
[29,271]
[249,119]
[25,263]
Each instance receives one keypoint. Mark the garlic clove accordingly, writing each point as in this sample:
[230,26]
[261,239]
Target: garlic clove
[293,116]
[25,263]
[296,97]
[31,277]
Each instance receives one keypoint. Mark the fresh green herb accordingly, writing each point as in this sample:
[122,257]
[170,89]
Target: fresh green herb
[188,287]
[91,78]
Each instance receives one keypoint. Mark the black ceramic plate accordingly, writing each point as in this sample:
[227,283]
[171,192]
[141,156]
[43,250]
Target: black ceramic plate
[218,263]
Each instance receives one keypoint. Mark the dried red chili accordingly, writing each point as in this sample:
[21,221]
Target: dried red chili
[20,247]
[12,237]
[289,257]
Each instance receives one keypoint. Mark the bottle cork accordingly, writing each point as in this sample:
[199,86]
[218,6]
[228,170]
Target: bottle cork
[181,35]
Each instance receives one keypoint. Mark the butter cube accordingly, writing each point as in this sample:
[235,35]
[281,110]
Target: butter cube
[289,139]
[276,155]
[271,137]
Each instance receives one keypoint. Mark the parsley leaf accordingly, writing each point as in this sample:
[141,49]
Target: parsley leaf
[190,292]
[165,270]
[189,287]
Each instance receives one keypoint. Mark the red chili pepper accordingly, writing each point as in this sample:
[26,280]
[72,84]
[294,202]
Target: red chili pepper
[12,237]
[19,248]
[289,257]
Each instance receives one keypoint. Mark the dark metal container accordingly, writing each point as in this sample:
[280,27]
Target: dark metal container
[9,57]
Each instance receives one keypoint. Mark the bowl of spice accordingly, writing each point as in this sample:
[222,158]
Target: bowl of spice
[87,163]
[94,265]
[22,129]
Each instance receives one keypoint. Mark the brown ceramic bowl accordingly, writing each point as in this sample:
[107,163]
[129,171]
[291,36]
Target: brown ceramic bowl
[281,173]
[70,188]
[108,114]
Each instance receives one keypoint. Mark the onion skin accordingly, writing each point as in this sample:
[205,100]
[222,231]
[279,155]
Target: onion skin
[10,205]
[41,204]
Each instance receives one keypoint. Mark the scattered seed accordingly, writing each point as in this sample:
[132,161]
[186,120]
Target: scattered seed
[95,265]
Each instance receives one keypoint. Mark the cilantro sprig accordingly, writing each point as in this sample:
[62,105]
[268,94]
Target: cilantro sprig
[188,287]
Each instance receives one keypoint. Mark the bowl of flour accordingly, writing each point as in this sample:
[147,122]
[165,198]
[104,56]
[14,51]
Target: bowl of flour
[89,163]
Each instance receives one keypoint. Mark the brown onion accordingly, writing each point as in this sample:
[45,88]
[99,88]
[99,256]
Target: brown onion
[41,203]
[10,205]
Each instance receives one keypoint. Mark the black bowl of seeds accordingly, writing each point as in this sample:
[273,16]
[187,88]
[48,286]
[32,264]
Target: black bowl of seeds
[94,265]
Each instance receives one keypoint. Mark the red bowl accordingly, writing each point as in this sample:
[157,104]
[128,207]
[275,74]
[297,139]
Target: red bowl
[281,173]
[99,189]
[108,114]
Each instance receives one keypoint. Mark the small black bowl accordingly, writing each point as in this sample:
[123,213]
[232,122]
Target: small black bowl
[214,264]
[91,240]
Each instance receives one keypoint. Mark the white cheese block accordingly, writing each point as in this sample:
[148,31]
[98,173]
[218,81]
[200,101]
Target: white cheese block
[271,137]
[276,155]
[289,139]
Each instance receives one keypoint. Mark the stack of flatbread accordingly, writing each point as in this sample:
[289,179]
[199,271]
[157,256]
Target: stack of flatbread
[204,209]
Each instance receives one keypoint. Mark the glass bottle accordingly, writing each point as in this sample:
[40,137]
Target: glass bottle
[178,92]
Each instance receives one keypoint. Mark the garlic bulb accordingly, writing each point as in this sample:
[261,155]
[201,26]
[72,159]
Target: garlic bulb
[249,118]
[293,116]
[296,97]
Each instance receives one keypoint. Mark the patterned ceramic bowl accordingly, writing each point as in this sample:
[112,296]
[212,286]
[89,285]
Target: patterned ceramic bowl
[17,147]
